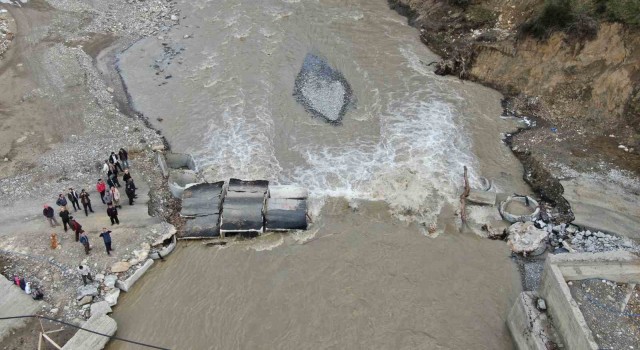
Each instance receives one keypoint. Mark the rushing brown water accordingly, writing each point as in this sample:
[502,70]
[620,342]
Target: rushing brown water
[363,282]
[360,278]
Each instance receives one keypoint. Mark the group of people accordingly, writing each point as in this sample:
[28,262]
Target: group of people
[109,194]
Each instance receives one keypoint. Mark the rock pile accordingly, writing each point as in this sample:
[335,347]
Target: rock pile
[530,238]
[584,240]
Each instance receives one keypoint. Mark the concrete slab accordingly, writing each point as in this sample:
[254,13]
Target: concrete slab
[530,328]
[85,340]
[129,282]
[163,164]
[14,302]
[604,206]
[619,266]
[482,197]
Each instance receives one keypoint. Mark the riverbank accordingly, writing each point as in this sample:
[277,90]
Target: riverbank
[63,110]
[576,92]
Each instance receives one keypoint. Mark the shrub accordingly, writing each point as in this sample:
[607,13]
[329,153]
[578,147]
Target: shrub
[624,11]
[556,15]
[461,3]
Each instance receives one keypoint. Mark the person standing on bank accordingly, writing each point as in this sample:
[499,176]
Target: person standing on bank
[115,195]
[84,239]
[73,198]
[65,216]
[108,198]
[113,178]
[85,273]
[76,227]
[126,176]
[113,159]
[130,190]
[50,215]
[113,214]
[86,202]
[61,202]
[101,187]
[106,237]
[124,157]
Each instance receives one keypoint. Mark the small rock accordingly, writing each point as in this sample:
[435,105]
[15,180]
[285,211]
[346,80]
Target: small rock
[174,17]
[110,89]
[54,311]
[157,148]
[541,304]
[85,300]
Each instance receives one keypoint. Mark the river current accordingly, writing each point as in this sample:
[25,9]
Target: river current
[220,86]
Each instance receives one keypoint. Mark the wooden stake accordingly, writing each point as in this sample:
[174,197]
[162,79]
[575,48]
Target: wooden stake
[51,341]
[463,197]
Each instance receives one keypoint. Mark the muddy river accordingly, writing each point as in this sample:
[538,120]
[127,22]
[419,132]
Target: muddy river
[365,275]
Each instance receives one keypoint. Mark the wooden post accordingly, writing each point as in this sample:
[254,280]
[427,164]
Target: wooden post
[463,197]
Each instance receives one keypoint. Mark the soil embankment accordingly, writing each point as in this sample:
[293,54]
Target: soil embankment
[578,84]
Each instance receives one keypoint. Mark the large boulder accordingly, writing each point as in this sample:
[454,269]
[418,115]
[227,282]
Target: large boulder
[322,90]
[120,266]
[526,239]
[88,290]
[100,308]
[111,297]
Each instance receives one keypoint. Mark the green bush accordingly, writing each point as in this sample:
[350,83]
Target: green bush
[624,11]
[461,3]
[556,15]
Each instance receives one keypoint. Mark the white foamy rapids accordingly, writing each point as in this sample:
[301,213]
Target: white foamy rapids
[416,167]
[241,146]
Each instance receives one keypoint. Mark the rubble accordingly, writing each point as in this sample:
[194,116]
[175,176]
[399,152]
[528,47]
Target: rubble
[526,239]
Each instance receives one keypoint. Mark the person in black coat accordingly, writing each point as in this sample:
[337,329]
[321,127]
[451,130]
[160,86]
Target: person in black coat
[66,217]
[124,157]
[130,190]
[126,176]
[113,159]
[113,214]
[50,215]
[73,198]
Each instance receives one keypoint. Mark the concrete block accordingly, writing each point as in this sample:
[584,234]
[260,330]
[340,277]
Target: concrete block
[85,340]
[482,197]
[100,308]
[163,165]
[568,319]
[129,282]
[620,266]
[530,328]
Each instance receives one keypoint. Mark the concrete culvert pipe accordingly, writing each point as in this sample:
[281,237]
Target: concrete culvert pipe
[519,209]
[179,179]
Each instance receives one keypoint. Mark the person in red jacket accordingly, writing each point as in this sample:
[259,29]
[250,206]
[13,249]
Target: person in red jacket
[102,188]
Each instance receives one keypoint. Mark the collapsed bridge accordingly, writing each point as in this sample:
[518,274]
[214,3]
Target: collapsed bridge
[248,208]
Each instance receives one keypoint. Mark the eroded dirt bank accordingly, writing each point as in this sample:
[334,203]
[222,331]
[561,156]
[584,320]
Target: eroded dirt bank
[579,85]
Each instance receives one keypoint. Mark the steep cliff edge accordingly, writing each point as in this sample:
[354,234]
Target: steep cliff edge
[579,79]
